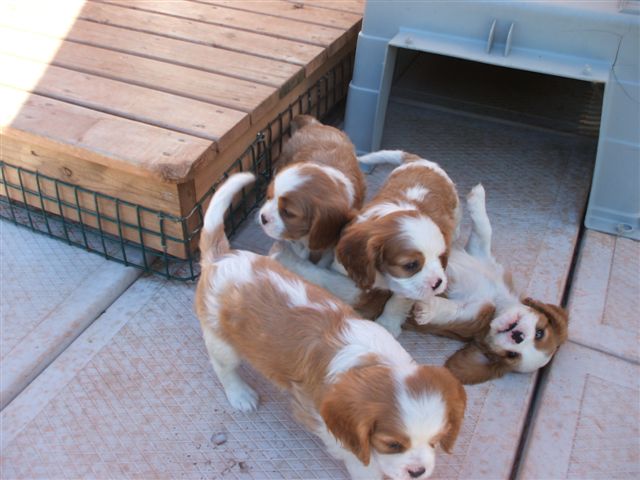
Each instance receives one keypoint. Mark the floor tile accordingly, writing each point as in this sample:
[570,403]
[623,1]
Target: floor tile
[604,304]
[588,421]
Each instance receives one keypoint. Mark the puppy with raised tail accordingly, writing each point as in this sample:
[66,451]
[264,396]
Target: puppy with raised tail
[318,189]
[350,381]
[506,333]
[401,239]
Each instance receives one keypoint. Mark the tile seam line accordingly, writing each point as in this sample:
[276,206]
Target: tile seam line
[218,24]
[605,352]
[543,374]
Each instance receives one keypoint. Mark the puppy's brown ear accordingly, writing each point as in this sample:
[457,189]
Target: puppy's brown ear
[352,406]
[354,254]
[456,400]
[328,221]
[471,366]
[558,316]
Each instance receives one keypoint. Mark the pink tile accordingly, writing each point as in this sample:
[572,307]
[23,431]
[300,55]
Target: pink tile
[605,296]
[588,419]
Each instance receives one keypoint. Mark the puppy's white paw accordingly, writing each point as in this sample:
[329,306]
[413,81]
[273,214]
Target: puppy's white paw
[476,198]
[242,397]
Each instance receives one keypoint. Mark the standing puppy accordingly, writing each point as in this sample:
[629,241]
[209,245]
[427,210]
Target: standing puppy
[351,383]
[316,193]
[481,306]
[401,240]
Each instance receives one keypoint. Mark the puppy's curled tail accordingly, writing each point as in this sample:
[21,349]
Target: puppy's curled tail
[393,157]
[213,241]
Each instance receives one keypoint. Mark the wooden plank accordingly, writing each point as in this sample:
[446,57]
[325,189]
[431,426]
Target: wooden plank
[239,19]
[80,206]
[223,37]
[352,6]
[101,138]
[295,11]
[122,99]
[52,18]
[207,87]
[146,191]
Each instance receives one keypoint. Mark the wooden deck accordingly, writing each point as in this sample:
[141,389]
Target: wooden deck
[150,101]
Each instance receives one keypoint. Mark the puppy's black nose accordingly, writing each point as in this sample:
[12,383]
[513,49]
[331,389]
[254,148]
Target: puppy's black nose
[417,473]
[517,336]
[263,219]
[437,284]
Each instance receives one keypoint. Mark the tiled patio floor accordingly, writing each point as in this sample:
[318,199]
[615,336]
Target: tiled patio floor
[49,293]
[135,397]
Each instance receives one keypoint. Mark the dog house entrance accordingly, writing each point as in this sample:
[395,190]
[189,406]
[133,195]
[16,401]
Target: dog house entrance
[504,94]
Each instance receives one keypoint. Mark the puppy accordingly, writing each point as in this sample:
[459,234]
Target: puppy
[351,383]
[318,190]
[401,239]
[481,306]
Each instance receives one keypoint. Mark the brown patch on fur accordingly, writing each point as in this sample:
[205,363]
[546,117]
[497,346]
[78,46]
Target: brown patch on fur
[553,320]
[473,364]
[360,409]
[321,205]
[428,380]
[368,246]
[319,209]
[370,304]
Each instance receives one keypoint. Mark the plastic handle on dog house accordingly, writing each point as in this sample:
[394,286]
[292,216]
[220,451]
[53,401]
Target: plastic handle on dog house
[507,45]
[492,33]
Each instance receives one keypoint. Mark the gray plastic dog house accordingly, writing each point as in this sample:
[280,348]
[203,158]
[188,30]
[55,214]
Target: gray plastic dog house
[594,41]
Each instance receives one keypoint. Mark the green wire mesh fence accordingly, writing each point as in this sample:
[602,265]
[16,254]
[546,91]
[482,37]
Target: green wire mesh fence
[95,222]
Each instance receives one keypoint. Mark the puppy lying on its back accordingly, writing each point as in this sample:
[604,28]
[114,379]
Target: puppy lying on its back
[317,191]
[351,382]
[481,306]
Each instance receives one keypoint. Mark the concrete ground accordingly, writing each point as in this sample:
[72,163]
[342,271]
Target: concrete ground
[124,388]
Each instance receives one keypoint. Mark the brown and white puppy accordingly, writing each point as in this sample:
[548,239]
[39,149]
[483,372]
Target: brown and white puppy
[351,382]
[316,192]
[481,306]
[401,239]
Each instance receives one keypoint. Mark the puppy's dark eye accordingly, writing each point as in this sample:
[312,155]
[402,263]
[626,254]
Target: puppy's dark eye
[394,446]
[411,266]
[539,334]
[512,354]
[286,213]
